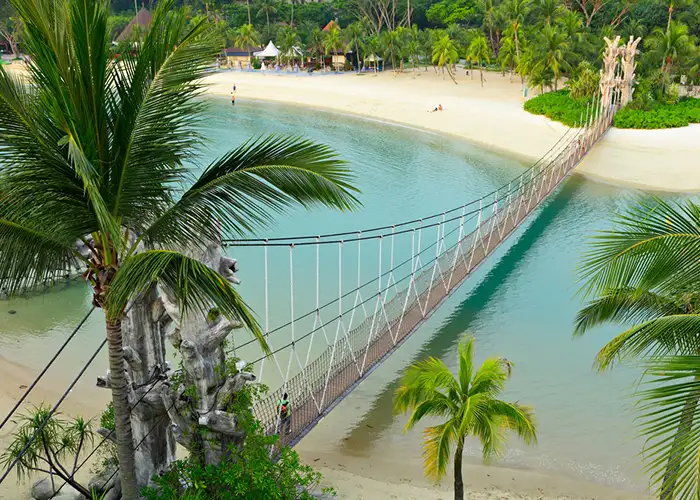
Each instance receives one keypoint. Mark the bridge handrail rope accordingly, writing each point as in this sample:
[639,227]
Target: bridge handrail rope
[45,369]
[354,350]
[298,239]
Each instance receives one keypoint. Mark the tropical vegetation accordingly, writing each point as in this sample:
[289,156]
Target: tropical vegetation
[468,404]
[643,273]
[92,157]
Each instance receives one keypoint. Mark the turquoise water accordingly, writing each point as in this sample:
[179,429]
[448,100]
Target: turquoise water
[520,304]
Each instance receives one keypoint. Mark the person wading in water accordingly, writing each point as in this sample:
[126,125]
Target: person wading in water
[285,410]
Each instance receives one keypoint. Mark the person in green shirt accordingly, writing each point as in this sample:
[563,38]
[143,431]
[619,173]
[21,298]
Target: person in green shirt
[285,410]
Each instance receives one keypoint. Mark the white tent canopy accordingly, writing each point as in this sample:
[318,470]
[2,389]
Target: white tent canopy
[270,51]
[373,58]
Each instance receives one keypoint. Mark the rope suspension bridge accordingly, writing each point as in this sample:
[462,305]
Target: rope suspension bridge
[353,324]
[417,265]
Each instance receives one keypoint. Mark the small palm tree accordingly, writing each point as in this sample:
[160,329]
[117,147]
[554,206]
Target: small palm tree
[479,52]
[92,171]
[552,52]
[507,56]
[644,273]
[247,37]
[445,54]
[470,406]
[317,43]
[288,41]
[391,40]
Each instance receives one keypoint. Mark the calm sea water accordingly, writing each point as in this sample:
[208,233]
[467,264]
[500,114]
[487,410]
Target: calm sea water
[521,304]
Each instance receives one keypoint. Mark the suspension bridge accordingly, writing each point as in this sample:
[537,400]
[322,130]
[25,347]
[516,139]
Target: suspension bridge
[320,356]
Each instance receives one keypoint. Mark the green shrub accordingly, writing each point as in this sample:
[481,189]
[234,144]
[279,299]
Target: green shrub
[559,106]
[659,115]
[250,473]
[585,81]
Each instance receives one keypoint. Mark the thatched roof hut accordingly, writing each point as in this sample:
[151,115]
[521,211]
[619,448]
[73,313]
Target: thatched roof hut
[142,19]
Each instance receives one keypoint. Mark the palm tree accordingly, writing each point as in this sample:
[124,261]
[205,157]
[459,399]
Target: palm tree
[550,10]
[507,56]
[247,37]
[354,36]
[489,12]
[267,7]
[317,44]
[516,12]
[645,273]
[333,41]
[445,54]
[479,52]
[288,41]
[93,151]
[553,52]
[413,44]
[391,39]
[468,403]
[669,45]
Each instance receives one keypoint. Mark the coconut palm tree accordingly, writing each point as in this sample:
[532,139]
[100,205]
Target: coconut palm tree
[479,52]
[413,45]
[552,52]
[267,7]
[92,170]
[646,272]
[288,41]
[354,36]
[669,46]
[333,41]
[470,406]
[516,12]
[247,37]
[549,10]
[316,43]
[507,56]
[391,40]
[445,54]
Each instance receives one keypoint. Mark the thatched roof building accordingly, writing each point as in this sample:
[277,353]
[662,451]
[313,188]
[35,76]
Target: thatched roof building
[142,19]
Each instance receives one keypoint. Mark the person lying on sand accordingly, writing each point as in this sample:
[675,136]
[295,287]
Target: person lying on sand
[439,108]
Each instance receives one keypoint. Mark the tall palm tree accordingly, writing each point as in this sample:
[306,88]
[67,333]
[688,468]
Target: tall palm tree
[391,39]
[489,11]
[354,36]
[413,44]
[516,12]
[669,45]
[646,272]
[507,56]
[549,10]
[470,406]
[288,41]
[267,7]
[316,43]
[93,150]
[553,52]
[445,54]
[478,52]
[333,41]
[247,37]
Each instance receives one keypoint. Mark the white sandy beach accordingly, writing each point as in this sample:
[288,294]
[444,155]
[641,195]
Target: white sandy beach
[492,116]
[662,160]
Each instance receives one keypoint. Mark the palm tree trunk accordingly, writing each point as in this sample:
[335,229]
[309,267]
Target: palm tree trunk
[248,4]
[670,13]
[267,16]
[459,484]
[481,73]
[291,22]
[122,414]
[668,484]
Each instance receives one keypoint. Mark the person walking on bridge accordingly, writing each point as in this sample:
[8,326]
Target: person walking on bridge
[285,411]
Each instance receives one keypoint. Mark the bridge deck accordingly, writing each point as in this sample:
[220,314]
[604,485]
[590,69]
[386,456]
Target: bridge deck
[324,382]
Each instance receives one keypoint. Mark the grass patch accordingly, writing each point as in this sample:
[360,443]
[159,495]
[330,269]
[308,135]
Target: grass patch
[659,115]
[559,106]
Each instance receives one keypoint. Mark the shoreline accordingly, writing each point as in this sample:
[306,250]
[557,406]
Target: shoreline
[490,117]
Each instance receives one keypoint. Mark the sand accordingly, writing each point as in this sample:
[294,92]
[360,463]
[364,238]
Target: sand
[659,160]
[491,116]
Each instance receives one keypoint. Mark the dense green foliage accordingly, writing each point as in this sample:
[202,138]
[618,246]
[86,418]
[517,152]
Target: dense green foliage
[560,106]
[642,273]
[250,473]
[660,115]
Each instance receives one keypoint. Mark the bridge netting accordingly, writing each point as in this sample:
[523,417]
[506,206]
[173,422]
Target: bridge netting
[371,289]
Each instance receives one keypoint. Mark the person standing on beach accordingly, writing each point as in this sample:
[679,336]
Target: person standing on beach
[285,411]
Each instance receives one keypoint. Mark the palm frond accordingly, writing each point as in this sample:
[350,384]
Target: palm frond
[669,420]
[157,117]
[656,337]
[655,246]
[626,306]
[196,287]
[491,377]
[466,363]
[437,406]
[247,186]
[30,257]
[437,442]
[516,418]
